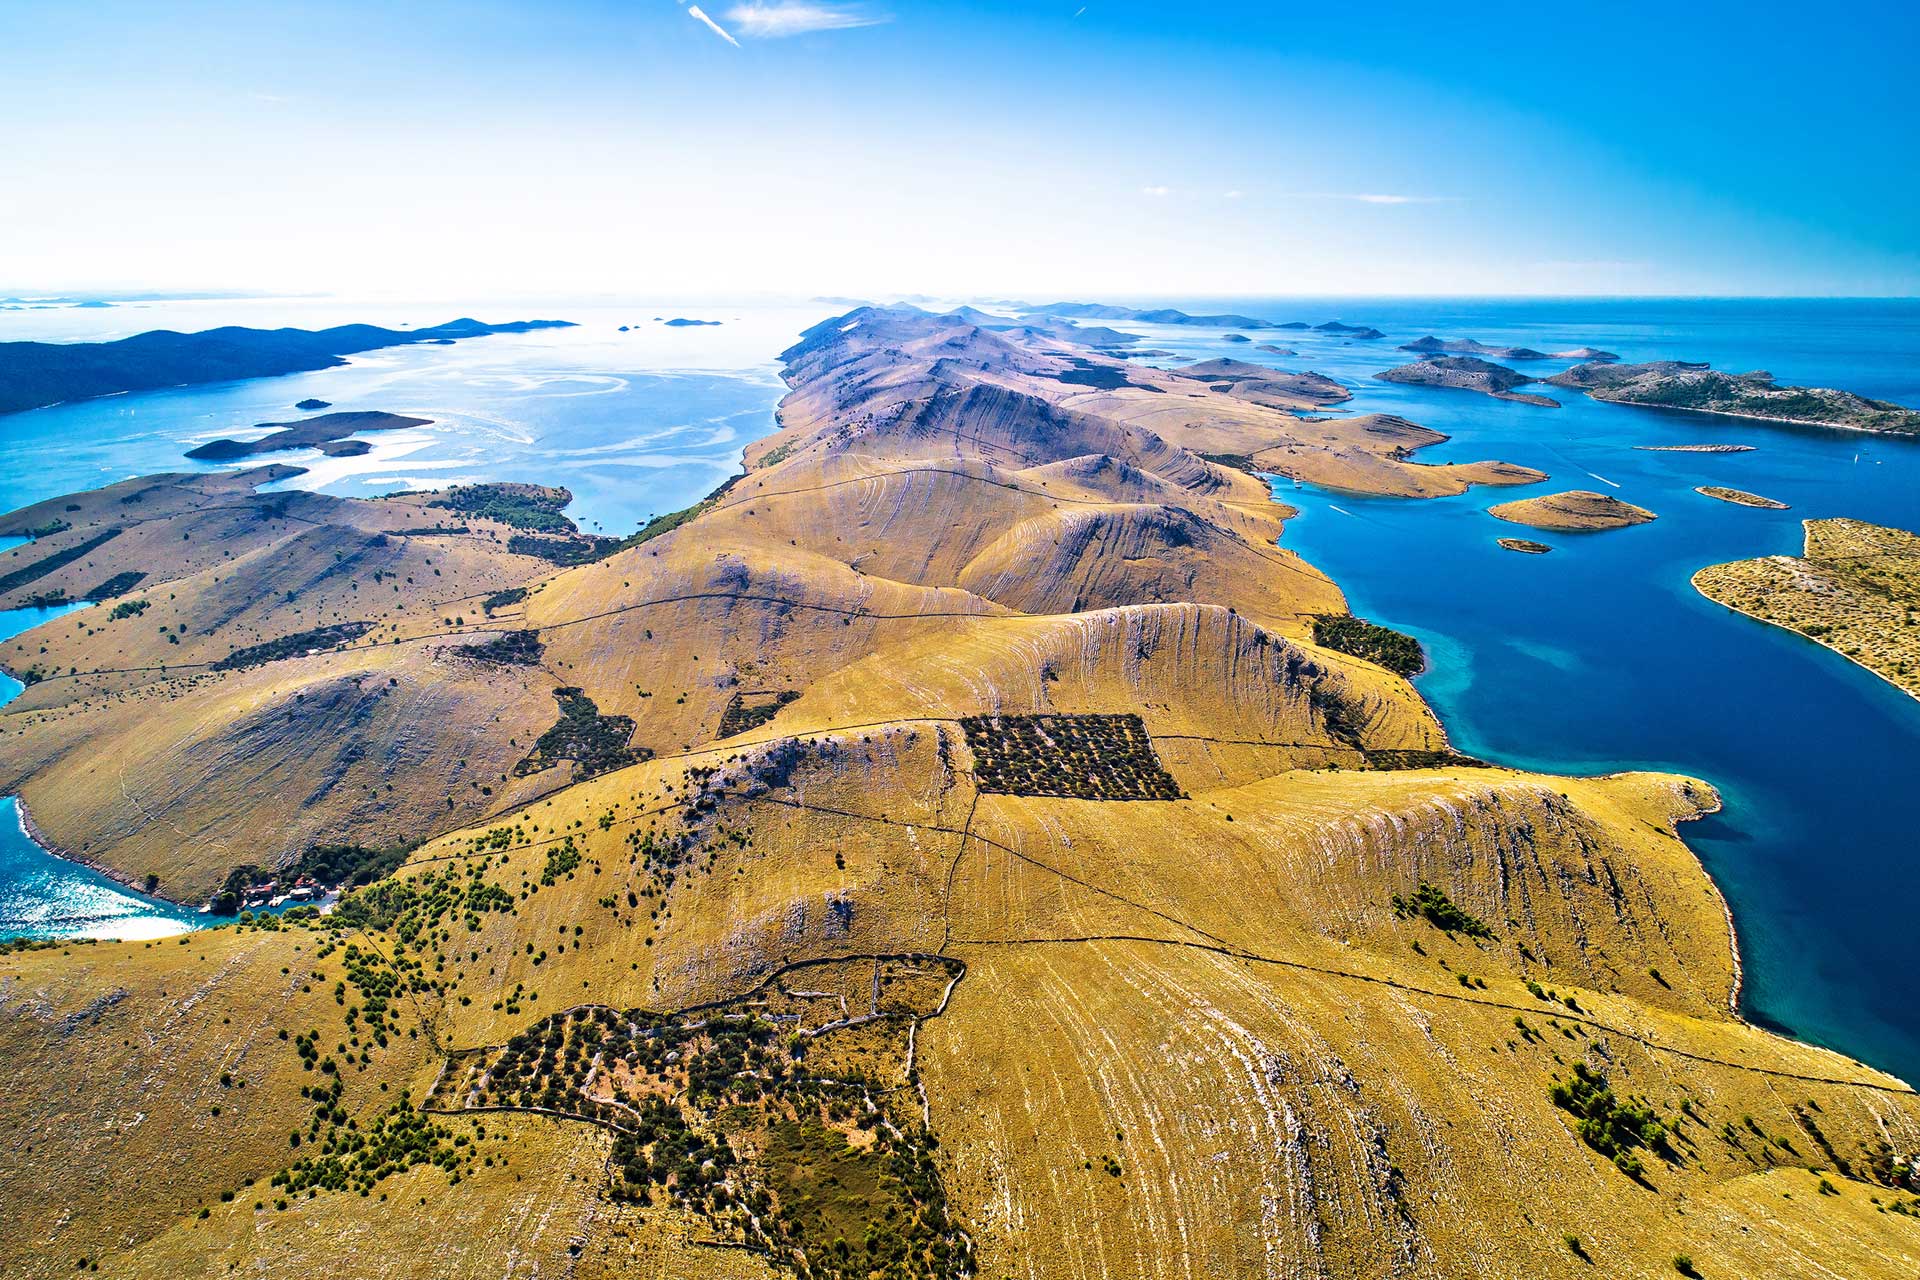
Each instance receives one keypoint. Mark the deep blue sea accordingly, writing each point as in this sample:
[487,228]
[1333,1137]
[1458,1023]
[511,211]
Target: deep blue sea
[1597,657]
[1601,656]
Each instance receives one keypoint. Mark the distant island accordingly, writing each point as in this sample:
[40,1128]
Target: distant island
[1526,546]
[1362,332]
[1431,345]
[1699,388]
[1576,511]
[36,374]
[1164,315]
[1468,373]
[681,322]
[327,433]
[1853,589]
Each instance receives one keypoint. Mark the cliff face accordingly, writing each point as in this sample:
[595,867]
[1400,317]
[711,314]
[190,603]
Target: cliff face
[996,878]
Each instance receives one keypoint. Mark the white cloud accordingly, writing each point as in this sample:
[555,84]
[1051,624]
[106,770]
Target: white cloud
[1373,198]
[1156,191]
[695,11]
[772,21]
[1232,195]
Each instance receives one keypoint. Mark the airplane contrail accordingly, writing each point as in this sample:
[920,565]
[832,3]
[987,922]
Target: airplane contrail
[695,11]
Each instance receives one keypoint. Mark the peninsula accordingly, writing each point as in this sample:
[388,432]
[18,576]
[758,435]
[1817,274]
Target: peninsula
[969,842]
[37,374]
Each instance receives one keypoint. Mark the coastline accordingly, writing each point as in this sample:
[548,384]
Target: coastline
[32,832]
[1756,417]
[1719,805]
[1693,580]
[1733,931]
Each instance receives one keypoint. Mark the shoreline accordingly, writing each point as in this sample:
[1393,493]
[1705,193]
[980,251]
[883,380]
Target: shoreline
[32,832]
[1755,417]
[1719,805]
[1693,580]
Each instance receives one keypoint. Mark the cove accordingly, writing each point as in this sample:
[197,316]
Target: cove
[43,896]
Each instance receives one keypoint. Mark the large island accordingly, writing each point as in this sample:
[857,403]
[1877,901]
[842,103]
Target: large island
[36,374]
[1699,388]
[968,843]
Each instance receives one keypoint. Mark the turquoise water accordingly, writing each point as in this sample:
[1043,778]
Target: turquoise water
[1601,656]
[42,896]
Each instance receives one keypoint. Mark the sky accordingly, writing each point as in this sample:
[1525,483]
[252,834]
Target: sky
[735,148]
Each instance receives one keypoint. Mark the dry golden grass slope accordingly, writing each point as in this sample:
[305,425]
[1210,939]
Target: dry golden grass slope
[1301,1014]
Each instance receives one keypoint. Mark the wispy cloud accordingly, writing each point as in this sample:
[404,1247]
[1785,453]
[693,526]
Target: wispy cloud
[695,11]
[1156,191]
[772,21]
[1368,197]
[1232,195]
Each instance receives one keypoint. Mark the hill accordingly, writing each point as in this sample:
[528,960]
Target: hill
[968,843]
[1576,510]
[35,374]
[1468,373]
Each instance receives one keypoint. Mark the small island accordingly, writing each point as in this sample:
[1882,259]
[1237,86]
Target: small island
[1575,511]
[1273,350]
[1163,315]
[1699,388]
[313,406]
[327,433]
[1854,588]
[1739,497]
[1526,546]
[1431,346]
[681,322]
[1363,333]
[1468,373]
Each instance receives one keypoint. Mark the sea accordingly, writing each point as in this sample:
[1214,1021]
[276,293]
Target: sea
[1595,658]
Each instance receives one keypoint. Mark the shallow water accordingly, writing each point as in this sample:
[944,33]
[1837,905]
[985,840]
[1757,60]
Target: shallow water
[635,424]
[42,896]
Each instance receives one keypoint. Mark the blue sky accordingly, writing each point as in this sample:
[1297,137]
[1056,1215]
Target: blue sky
[839,146]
